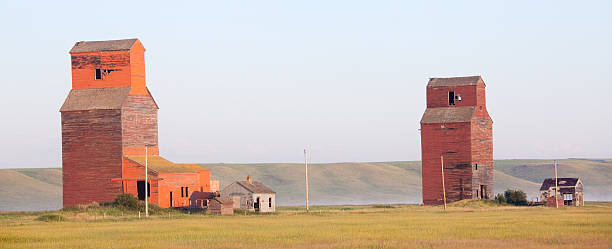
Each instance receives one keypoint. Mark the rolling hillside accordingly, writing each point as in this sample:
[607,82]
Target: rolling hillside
[30,189]
[331,183]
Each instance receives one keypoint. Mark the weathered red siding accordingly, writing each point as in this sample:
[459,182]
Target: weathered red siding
[85,64]
[453,142]
[173,182]
[134,171]
[91,156]
[139,124]
[482,155]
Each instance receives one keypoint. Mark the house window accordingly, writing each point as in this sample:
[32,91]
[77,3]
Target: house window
[182,192]
[186,191]
[269,202]
[98,74]
[476,167]
[451,98]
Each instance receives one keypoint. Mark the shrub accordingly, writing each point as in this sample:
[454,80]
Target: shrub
[383,206]
[126,201]
[70,209]
[93,205]
[51,217]
[516,197]
[500,198]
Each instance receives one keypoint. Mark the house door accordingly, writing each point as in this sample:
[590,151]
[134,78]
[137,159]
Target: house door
[236,200]
[257,204]
[141,190]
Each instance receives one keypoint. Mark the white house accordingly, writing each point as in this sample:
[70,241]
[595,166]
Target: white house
[251,196]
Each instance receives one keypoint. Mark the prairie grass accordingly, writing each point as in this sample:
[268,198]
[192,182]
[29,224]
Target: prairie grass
[403,226]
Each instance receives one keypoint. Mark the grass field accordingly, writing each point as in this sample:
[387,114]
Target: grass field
[464,225]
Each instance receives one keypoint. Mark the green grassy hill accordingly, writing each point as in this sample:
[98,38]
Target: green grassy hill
[330,183]
[30,189]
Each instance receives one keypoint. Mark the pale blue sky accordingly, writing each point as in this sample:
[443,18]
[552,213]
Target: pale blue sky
[257,81]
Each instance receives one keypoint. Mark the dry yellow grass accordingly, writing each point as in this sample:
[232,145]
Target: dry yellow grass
[408,226]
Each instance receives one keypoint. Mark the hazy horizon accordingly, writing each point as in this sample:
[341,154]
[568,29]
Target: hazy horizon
[257,82]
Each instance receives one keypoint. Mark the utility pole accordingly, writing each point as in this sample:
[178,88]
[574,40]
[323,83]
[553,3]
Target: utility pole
[146,181]
[306,170]
[443,187]
[556,187]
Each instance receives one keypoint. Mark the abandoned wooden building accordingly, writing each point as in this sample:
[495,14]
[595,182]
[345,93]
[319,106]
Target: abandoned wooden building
[109,122]
[251,195]
[456,141]
[570,192]
[220,205]
[211,202]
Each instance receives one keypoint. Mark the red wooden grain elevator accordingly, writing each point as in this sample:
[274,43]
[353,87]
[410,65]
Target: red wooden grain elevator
[457,127]
[108,118]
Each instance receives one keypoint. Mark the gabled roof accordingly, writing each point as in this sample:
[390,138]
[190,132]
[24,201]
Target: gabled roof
[562,182]
[223,200]
[94,46]
[454,81]
[109,98]
[197,195]
[448,115]
[256,187]
[161,165]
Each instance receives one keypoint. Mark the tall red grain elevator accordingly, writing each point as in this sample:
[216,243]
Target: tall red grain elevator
[109,121]
[108,113]
[457,132]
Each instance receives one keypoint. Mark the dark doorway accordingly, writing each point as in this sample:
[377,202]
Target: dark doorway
[451,98]
[170,198]
[257,204]
[483,192]
[141,190]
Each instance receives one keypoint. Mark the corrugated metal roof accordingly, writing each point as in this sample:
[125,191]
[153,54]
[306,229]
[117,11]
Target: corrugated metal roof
[256,187]
[562,182]
[111,45]
[162,165]
[448,115]
[454,81]
[109,98]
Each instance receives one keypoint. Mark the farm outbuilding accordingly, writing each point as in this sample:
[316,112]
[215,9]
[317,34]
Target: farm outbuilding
[570,192]
[251,195]
[211,202]
[110,132]
[222,206]
[456,141]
